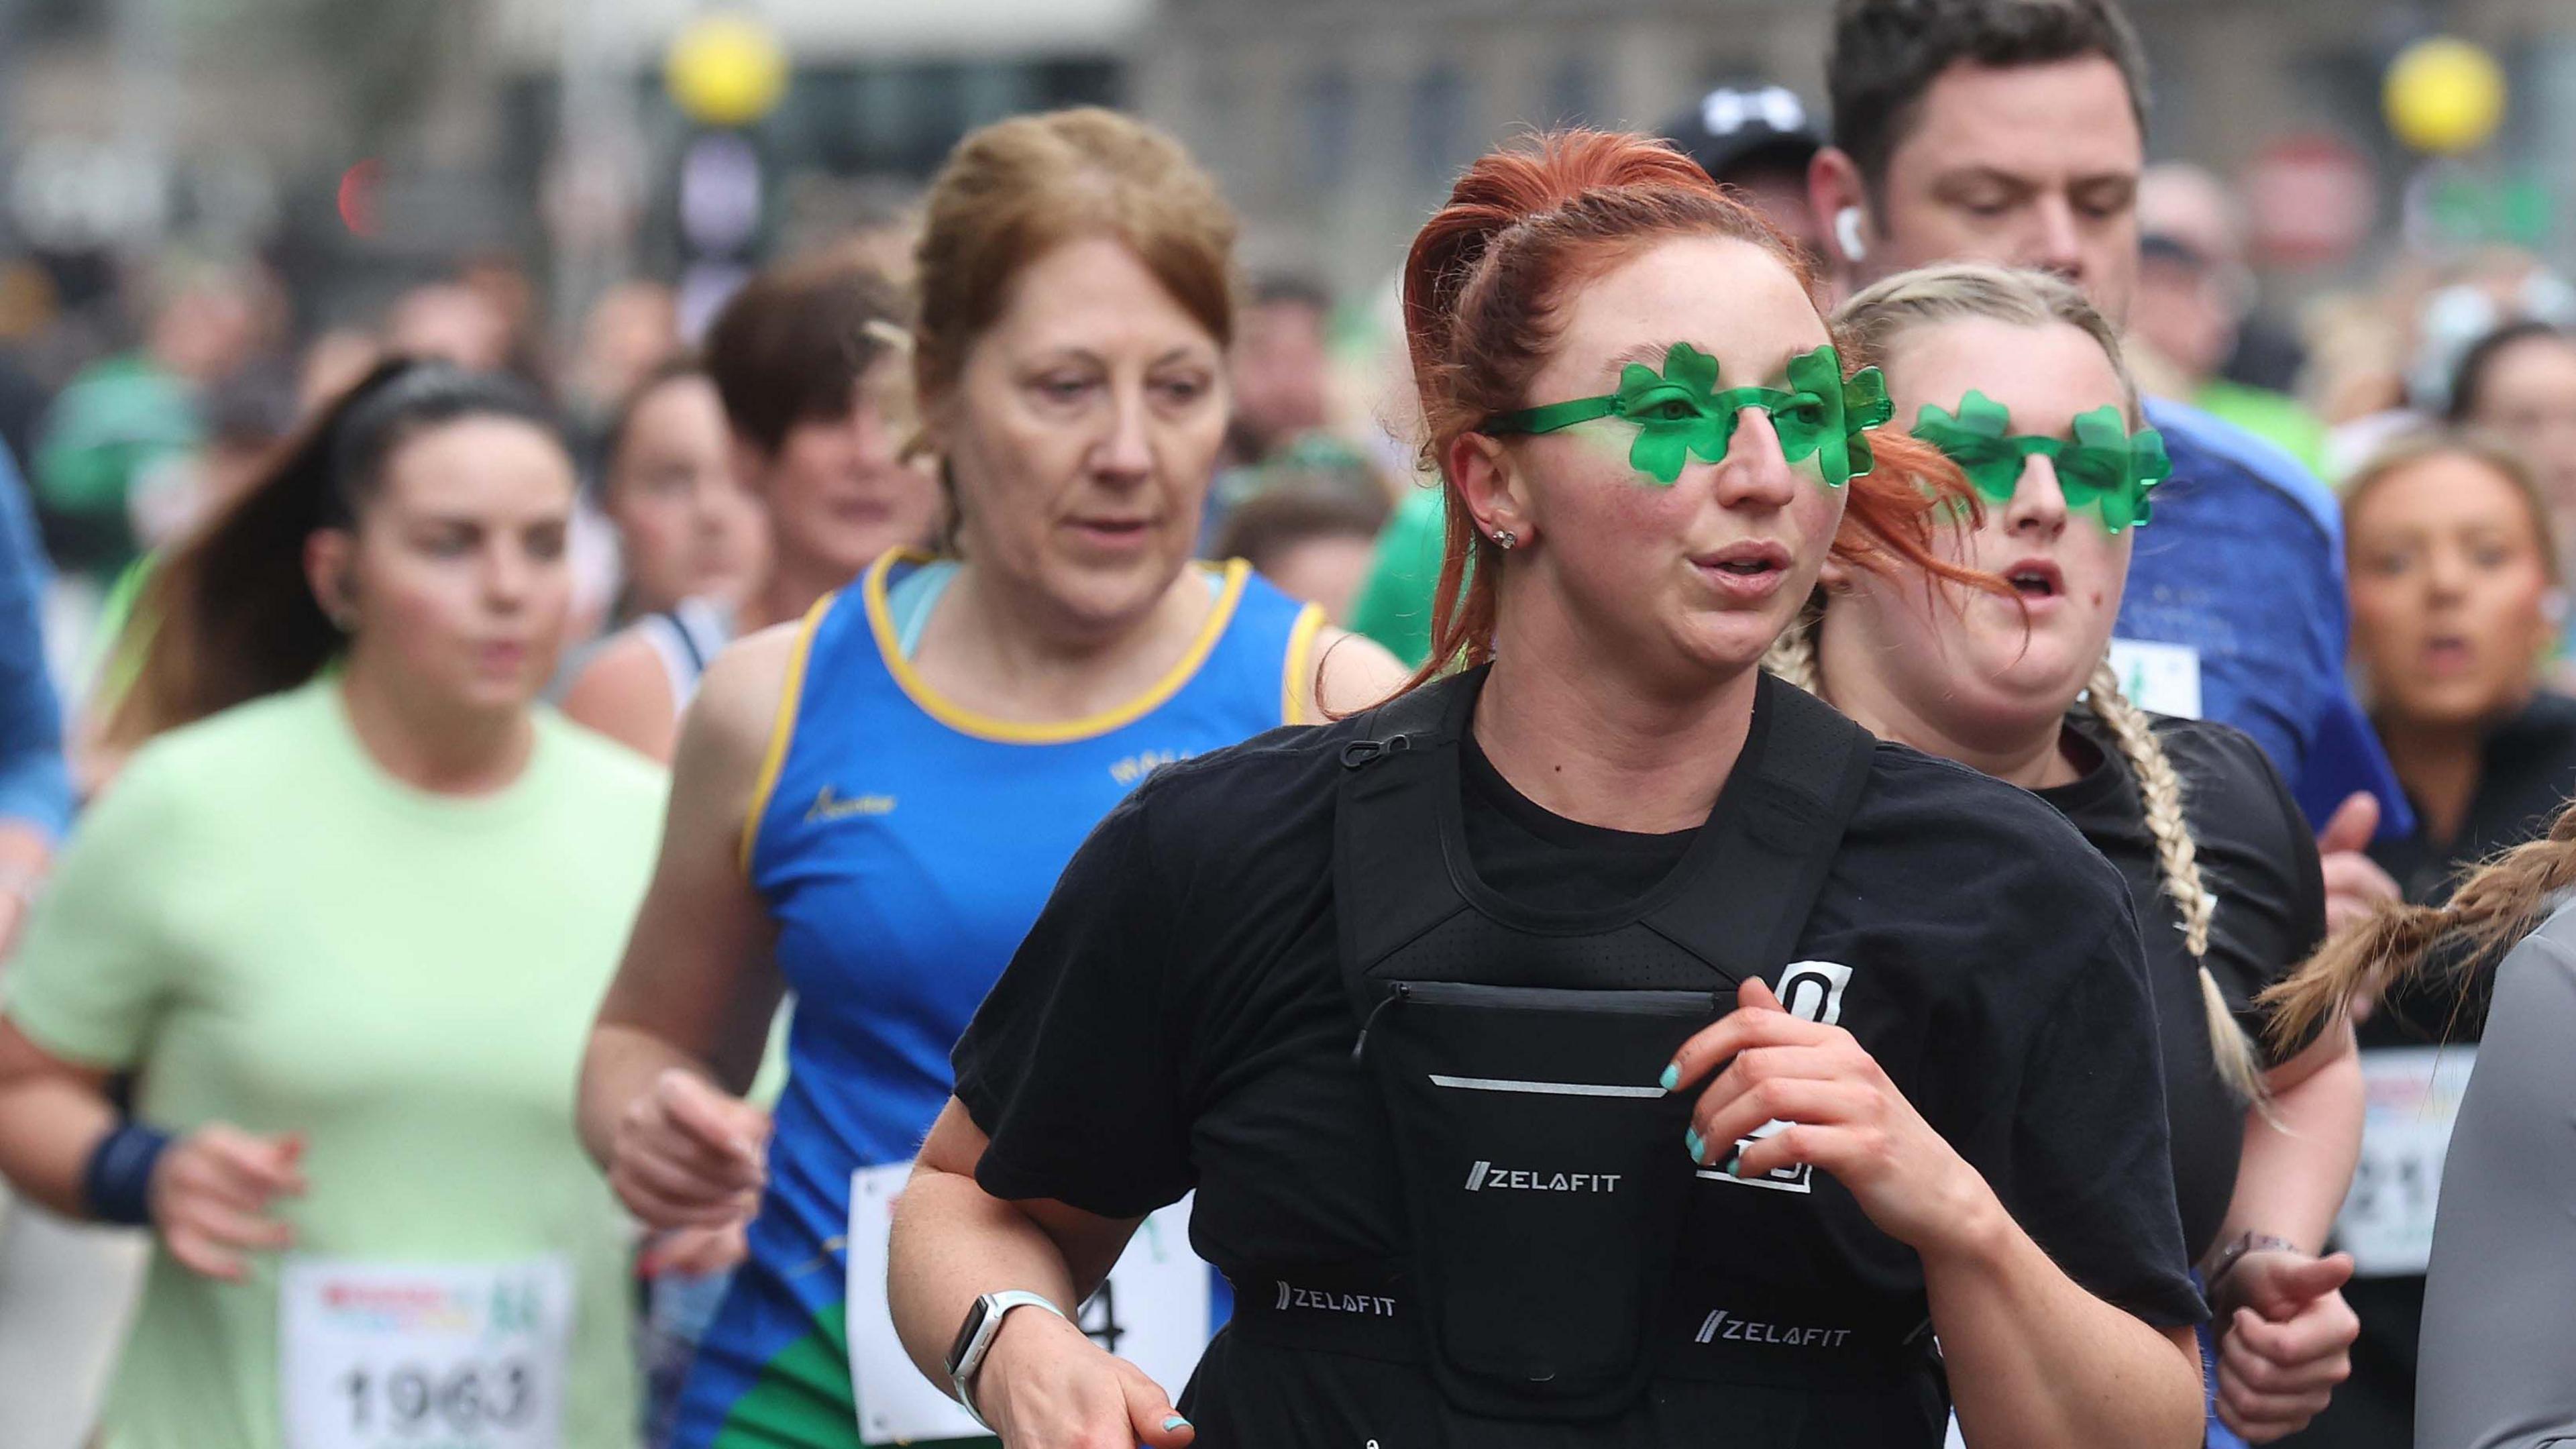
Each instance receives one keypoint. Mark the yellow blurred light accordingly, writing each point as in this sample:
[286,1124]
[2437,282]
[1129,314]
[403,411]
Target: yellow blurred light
[2444,96]
[725,70]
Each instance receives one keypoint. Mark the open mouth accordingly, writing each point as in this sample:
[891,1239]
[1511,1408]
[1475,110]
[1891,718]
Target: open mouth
[2446,653]
[2036,579]
[1748,560]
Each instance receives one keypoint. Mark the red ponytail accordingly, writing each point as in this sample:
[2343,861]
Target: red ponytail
[1481,288]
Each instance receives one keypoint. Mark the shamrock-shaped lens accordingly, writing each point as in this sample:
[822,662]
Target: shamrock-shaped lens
[2102,465]
[1680,413]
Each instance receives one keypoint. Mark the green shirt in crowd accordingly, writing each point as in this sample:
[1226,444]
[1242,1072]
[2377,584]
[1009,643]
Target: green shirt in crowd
[273,932]
[1394,603]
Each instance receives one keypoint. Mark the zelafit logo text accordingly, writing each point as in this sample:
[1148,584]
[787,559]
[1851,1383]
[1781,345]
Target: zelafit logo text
[1723,1327]
[1369,1305]
[1523,1179]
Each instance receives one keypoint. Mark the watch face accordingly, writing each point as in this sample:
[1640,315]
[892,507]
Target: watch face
[966,1333]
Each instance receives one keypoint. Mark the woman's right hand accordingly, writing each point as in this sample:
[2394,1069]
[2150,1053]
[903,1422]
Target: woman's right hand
[210,1194]
[686,1155]
[1045,1385]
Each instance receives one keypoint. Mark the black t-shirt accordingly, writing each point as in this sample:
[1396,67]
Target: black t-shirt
[1176,1019]
[2257,857]
[2526,774]
[1546,860]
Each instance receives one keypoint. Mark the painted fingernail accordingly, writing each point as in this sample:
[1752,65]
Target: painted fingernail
[1734,1160]
[1671,1078]
[1175,1422]
[1691,1140]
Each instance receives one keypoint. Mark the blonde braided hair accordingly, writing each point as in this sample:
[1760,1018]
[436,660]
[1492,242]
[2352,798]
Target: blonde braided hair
[1793,658]
[2160,787]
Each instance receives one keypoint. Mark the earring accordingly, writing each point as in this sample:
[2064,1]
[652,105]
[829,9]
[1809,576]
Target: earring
[1505,539]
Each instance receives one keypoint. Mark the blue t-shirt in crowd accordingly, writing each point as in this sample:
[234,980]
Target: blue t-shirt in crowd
[2244,564]
[35,782]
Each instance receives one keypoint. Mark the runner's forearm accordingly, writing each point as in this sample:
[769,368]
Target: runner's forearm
[2034,1360]
[954,1244]
[49,1126]
[2297,1165]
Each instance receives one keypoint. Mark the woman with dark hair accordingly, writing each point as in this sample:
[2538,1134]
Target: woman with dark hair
[1606,1043]
[2519,383]
[807,365]
[344,919]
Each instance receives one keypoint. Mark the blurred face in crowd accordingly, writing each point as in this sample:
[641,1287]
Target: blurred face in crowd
[2528,398]
[2025,166]
[454,584]
[1673,581]
[1323,568]
[1279,370]
[1979,668]
[837,490]
[2449,592]
[452,323]
[1082,433]
[2182,311]
[686,528]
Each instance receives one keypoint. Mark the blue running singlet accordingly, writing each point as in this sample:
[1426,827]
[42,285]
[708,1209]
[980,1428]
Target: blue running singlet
[904,845]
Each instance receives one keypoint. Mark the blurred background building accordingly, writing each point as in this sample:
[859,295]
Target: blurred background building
[359,146]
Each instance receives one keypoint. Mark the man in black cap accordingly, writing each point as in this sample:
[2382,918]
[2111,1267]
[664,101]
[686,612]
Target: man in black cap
[1757,140]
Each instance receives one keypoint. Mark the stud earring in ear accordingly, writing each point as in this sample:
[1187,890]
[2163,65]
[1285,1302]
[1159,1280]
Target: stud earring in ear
[1505,539]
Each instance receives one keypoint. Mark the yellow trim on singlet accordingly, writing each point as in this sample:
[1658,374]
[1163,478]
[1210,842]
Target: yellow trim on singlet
[1298,687]
[782,729]
[1012,732]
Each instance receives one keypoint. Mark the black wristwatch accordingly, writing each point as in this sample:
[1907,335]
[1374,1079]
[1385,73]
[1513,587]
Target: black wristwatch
[975,1339]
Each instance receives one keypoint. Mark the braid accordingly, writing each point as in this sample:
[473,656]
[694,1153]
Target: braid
[2160,787]
[1793,654]
[2498,902]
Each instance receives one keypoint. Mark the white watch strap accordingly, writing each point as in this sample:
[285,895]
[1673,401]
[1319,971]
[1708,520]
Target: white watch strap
[996,1306]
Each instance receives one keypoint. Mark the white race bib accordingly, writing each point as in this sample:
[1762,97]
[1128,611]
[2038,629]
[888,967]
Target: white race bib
[402,1356]
[2164,678]
[2413,1097]
[1153,1312]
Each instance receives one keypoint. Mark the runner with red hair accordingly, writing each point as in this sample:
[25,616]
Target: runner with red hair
[1602,1042]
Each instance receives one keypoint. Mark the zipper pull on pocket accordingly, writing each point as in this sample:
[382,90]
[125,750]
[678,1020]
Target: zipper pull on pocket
[1395,993]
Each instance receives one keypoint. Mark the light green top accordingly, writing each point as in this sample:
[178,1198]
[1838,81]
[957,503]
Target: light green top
[280,935]
[2275,417]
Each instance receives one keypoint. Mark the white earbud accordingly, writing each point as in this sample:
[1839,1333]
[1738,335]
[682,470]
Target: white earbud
[1847,233]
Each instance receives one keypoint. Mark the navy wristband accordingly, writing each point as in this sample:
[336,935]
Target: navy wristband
[117,1184]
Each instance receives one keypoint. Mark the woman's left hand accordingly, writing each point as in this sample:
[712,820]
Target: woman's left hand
[2286,1343]
[1843,1114]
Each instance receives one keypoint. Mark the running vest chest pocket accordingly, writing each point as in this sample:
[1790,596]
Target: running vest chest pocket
[1516,1053]
[1544,1171]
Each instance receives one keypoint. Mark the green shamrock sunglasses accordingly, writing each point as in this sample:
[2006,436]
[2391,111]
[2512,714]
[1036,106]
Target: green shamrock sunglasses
[1680,413]
[2101,462]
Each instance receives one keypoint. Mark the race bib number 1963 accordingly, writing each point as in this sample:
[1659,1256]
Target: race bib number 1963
[461,1356]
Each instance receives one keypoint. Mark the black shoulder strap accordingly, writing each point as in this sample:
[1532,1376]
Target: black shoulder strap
[1783,822]
[1391,877]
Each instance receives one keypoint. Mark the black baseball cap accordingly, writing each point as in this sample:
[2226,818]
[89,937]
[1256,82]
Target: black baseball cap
[1733,129]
